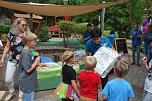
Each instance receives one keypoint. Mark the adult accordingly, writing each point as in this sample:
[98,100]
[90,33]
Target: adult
[14,47]
[87,34]
[147,36]
[135,35]
[94,44]
[149,39]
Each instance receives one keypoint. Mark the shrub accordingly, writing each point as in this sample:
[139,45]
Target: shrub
[4,29]
[107,32]
[43,34]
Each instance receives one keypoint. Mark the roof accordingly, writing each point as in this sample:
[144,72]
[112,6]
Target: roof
[54,28]
[27,16]
[57,10]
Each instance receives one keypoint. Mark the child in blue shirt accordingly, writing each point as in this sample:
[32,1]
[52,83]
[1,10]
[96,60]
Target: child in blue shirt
[118,89]
[112,35]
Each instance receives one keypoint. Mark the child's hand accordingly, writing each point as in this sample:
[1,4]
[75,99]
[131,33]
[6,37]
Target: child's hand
[144,60]
[42,65]
[37,60]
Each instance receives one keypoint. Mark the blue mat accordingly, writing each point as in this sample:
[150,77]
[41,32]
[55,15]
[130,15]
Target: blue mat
[46,59]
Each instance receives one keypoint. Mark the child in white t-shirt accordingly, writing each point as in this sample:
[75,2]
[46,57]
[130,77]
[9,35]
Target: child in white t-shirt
[147,94]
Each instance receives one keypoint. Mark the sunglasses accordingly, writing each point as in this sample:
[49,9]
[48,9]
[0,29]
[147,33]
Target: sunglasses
[24,25]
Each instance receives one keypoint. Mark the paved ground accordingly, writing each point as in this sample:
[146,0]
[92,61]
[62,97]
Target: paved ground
[135,76]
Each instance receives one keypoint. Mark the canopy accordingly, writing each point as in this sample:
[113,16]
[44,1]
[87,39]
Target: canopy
[56,10]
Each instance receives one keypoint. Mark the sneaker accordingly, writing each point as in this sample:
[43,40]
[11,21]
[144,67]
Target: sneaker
[138,65]
[132,63]
[10,96]
[20,99]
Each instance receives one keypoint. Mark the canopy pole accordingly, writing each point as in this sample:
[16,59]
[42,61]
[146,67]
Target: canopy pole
[31,22]
[31,19]
[102,19]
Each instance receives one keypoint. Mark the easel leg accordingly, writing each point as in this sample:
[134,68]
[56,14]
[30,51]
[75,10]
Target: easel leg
[128,59]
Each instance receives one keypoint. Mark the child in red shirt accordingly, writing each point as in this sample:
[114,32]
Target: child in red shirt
[88,81]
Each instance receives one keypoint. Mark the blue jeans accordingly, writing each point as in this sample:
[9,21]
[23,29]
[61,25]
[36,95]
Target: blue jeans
[28,96]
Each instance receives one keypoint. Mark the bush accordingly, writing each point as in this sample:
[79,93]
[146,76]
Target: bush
[43,34]
[4,29]
[107,32]
[77,29]
[4,37]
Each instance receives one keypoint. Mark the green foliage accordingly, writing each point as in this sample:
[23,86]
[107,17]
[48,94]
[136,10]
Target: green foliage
[80,28]
[76,28]
[43,34]
[66,25]
[4,29]
[89,18]
[107,32]
[116,17]
[137,10]
[4,37]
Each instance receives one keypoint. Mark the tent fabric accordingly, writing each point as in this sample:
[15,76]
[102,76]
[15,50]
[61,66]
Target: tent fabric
[56,10]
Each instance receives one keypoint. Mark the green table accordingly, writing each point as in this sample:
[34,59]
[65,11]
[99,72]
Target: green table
[50,78]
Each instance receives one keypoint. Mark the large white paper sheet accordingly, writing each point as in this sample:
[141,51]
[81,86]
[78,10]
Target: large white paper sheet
[106,58]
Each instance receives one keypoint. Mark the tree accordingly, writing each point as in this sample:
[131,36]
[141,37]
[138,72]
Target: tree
[137,10]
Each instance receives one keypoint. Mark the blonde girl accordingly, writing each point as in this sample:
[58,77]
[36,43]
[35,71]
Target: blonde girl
[68,73]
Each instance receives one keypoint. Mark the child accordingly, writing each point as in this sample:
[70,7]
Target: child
[27,68]
[118,89]
[112,36]
[147,95]
[69,77]
[89,81]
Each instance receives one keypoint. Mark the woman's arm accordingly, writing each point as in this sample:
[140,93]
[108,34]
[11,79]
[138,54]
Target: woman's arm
[5,52]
